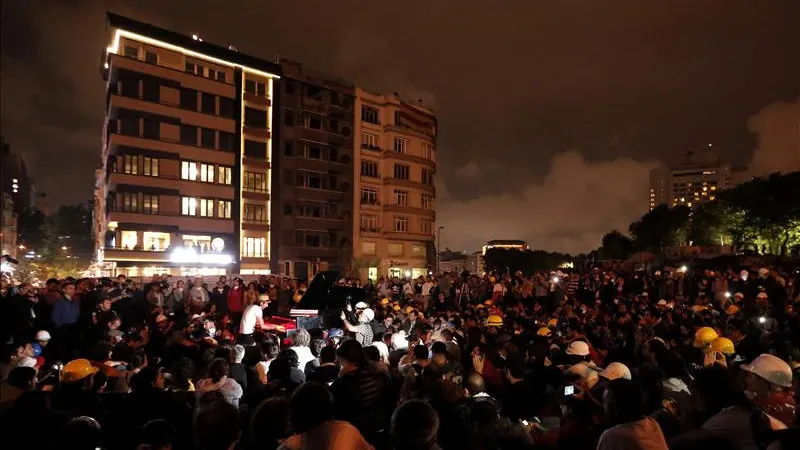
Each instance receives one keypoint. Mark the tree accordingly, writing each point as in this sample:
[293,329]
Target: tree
[661,227]
[616,246]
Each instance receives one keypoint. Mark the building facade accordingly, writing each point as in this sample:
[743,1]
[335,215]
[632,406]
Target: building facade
[394,197]
[184,186]
[691,184]
[312,227]
[8,226]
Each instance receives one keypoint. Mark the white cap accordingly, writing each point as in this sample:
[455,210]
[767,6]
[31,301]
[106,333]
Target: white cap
[662,302]
[42,335]
[361,305]
[772,369]
[578,348]
[263,297]
[196,316]
[368,314]
[744,273]
[615,371]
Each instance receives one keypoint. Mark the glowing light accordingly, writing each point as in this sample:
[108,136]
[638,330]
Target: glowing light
[64,247]
[188,255]
[120,33]
[408,273]
[762,319]
[194,36]
[105,65]
[727,295]
[683,269]
[6,267]
[555,279]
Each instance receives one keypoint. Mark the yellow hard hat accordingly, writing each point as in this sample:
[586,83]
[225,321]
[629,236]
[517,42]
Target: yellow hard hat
[396,307]
[409,309]
[489,302]
[384,301]
[479,306]
[492,279]
[731,310]
[722,345]
[77,369]
[544,331]
[494,321]
[704,336]
[552,322]
[699,308]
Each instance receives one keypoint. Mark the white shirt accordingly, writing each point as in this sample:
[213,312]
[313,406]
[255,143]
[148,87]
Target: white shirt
[250,318]
[304,355]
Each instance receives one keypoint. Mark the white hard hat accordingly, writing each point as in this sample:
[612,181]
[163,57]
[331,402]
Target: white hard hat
[586,373]
[662,302]
[361,305]
[263,297]
[368,314]
[42,335]
[615,371]
[772,369]
[578,348]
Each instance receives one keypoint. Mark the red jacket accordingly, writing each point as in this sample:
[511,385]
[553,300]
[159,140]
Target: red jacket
[236,299]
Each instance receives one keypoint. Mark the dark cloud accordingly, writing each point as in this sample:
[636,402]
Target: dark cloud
[515,84]
[778,130]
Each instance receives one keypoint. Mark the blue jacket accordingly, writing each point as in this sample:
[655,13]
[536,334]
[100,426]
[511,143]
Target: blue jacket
[65,312]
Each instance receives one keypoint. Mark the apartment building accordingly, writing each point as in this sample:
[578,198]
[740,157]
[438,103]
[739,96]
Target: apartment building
[394,200]
[692,184]
[184,186]
[312,198]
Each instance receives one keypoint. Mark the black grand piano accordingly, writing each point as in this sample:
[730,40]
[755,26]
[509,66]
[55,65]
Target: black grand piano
[324,300]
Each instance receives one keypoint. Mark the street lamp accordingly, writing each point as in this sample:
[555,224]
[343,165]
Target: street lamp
[438,247]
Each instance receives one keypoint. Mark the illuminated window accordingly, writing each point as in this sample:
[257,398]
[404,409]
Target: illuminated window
[189,206]
[401,224]
[206,207]
[155,240]
[254,181]
[150,204]
[188,170]
[131,164]
[417,250]
[130,202]
[128,239]
[150,166]
[223,175]
[395,249]
[207,173]
[253,247]
[369,248]
[224,209]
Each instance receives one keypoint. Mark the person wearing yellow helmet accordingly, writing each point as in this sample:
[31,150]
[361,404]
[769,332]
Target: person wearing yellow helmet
[704,336]
[78,370]
[732,310]
[544,331]
[494,321]
[552,323]
[722,345]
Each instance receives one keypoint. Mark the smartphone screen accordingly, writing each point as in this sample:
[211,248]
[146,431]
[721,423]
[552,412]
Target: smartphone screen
[569,390]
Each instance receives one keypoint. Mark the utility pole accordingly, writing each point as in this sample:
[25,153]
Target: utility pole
[438,249]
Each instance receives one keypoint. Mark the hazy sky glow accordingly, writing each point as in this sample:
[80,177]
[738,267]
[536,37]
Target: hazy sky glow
[550,113]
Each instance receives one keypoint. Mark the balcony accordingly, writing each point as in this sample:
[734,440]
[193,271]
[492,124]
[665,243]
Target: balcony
[371,147]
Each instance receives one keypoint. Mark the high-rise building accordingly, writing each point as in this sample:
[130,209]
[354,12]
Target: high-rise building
[187,146]
[692,184]
[312,198]
[395,160]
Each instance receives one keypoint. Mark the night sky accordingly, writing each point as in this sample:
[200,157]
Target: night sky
[550,112]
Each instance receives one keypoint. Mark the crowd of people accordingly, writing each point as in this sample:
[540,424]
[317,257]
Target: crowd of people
[587,359]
